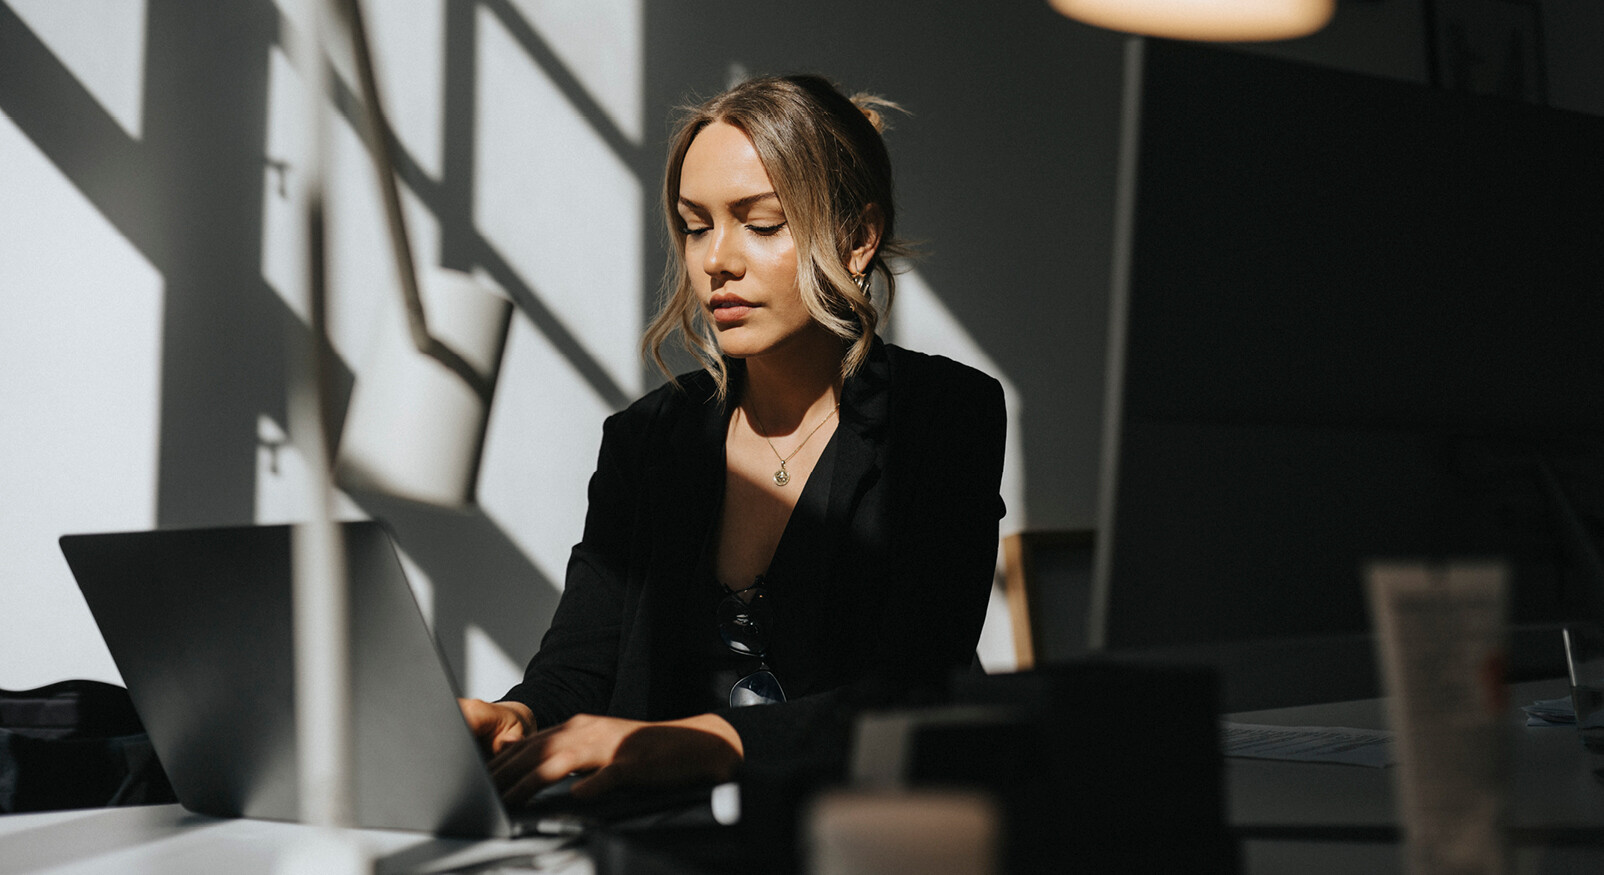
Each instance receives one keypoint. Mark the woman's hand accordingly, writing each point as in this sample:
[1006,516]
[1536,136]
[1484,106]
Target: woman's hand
[618,753]
[497,724]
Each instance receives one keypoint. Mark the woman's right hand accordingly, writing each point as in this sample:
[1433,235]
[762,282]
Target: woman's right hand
[497,724]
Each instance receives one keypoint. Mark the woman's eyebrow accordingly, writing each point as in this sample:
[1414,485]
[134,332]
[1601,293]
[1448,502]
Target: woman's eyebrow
[734,205]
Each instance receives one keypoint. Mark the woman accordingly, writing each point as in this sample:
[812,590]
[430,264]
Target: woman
[809,523]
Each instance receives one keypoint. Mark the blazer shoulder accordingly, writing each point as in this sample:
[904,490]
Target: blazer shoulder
[920,372]
[660,408]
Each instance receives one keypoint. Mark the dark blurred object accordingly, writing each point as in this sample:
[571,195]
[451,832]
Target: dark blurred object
[703,850]
[75,744]
[763,840]
[1098,766]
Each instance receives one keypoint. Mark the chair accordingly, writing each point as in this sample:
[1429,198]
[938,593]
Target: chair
[1048,581]
[75,744]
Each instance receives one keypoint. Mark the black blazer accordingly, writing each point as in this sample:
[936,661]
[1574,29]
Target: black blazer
[887,607]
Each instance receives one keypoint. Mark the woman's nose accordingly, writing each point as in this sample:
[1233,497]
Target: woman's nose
[723,256]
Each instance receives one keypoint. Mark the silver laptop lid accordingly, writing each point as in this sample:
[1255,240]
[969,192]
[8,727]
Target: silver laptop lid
[198,622]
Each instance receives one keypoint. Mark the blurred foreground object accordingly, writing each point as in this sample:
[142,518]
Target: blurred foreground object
[1440,630]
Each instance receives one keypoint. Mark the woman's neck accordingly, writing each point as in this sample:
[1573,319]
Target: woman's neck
[788,390]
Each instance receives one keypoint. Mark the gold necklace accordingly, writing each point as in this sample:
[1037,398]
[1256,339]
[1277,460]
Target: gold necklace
[782,476]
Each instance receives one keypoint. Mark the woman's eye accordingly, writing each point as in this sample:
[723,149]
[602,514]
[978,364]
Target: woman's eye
[766,230]
[693,232]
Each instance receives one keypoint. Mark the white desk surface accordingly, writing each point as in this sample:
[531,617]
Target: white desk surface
[1555,798]
[167,840]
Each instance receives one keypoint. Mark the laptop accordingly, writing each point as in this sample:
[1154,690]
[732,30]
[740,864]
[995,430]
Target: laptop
[198,623]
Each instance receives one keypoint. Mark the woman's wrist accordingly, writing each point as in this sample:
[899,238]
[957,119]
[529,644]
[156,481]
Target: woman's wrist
[714,725]
[525,715]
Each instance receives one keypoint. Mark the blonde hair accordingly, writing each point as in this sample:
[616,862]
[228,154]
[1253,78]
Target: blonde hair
[824,153]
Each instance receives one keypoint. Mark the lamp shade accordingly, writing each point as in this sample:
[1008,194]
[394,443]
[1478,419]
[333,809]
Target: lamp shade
[1208,20]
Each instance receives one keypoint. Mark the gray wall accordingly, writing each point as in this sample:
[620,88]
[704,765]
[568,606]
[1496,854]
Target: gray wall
[1004,175]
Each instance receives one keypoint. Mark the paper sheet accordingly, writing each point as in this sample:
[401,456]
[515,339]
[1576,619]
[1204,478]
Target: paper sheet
[1309,744]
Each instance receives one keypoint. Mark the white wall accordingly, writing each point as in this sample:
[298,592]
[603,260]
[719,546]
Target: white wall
[152,267]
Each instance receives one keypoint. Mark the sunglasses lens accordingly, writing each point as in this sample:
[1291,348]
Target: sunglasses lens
[758,688]
[745,626]
[743,623]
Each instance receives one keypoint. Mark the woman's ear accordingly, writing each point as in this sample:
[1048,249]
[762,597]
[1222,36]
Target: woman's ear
[868,242]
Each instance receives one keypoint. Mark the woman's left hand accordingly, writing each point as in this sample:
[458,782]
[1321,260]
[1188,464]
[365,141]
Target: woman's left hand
[618,753]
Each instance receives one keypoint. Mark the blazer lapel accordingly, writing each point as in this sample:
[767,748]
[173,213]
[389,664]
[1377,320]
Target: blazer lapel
[861,440]
[690,474]
[849,535]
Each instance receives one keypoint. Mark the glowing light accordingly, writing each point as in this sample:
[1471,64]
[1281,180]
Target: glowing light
[1208,20]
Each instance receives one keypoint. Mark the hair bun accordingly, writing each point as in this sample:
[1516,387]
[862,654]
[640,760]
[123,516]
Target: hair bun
[870,105]
[873,116]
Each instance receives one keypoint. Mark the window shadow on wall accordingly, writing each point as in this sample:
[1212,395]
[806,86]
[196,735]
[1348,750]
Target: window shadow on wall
[188,194]
[988,114]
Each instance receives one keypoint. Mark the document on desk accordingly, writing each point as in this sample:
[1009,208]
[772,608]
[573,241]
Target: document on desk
[1308,744]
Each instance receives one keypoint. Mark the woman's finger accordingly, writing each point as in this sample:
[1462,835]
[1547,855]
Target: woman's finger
[533,782]
[601,781]
[524,758]
[582,744]
[495,724]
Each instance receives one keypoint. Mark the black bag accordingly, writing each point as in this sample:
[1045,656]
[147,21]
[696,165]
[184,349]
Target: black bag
[76,744]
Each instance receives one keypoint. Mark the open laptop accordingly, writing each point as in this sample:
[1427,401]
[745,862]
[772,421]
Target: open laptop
[198,622]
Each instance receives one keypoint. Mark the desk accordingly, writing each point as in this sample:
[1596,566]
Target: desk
[167,840]
[1294,818]
[1318,818]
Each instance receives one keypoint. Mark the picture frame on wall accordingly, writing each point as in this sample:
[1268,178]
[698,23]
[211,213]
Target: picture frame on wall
[1491,47]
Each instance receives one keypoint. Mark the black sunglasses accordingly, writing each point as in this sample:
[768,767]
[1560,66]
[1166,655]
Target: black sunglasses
[744,618]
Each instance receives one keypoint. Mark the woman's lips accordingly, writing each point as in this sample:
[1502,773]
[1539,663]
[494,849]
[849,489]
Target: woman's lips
[728,308]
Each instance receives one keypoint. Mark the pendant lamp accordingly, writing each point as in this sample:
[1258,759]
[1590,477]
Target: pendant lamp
[1208,20]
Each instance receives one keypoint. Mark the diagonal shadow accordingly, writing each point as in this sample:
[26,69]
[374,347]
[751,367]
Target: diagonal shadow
[450,200]
[480,577]
[71,129]
[541,54]
[189,198]
[204,120]
[643,160]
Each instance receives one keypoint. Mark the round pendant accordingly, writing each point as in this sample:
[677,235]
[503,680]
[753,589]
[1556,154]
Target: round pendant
[782,477]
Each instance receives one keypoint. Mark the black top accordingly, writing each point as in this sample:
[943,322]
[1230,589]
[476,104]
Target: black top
[881,601]
[707,686]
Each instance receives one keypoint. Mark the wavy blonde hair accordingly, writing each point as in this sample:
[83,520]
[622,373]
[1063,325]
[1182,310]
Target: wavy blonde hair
[824,153]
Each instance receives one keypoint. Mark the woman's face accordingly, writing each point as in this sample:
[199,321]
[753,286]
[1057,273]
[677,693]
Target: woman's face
[738,247]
